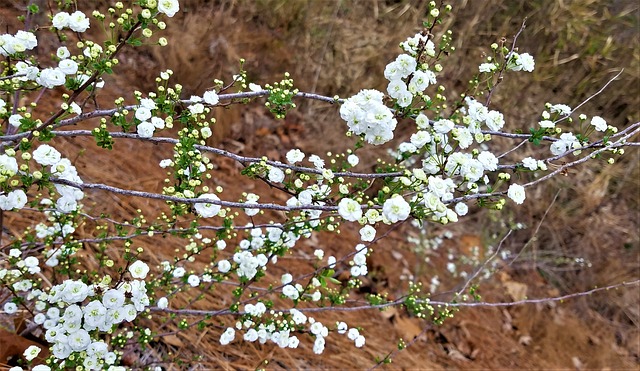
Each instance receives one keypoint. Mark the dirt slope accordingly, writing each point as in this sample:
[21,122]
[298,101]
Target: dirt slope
[339,47]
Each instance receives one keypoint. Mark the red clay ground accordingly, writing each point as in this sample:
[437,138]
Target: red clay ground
[335,48]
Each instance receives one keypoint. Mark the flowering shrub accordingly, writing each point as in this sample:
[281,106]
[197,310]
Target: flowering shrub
[435,174]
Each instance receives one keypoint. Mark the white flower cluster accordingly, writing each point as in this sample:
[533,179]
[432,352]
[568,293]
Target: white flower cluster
[407,79]
[566,142]
[53,254]
[353,334]
[34,368]
[27,71]
[15,199]
[280,334]
[148,123]
[52,76]
[18,43]
[79,315]
[275,175]
[76,21]
[252,199]
[29,264]
[359,267]
[74,314]
[248,264]
[313,195]
[521,62]
[599,123]
[294,156]
[413,44]
[61,168]
[559,110]
[441,190]
[321,332]
[477,114]
[262,333]
[292,291]
[196,107]
[367,233]
[446,169]
[533,164]
[366,114]
[71,322]
[395,209]
[487,67]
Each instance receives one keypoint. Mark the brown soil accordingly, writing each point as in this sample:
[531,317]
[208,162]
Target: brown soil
[340,47]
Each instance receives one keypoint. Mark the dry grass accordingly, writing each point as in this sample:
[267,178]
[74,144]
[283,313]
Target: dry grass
[339,47]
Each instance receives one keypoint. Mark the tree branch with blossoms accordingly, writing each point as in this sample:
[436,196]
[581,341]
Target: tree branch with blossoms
[434,174]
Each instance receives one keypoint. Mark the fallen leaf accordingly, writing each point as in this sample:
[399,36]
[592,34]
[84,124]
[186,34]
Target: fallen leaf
[389,313]
[173,340]
[577,363]
[517,290]
[525,340]
[12,346]
[456,355]
[408,327]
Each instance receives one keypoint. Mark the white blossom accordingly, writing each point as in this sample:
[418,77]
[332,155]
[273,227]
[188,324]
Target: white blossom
[275,175]
[224,266]
[396,209]
[207,210]
[349,209]
[530,163]
[367,233]
[139,269]
[211,97]
[78,22]
[516,193]
[599,123]
[145,129]
[294,155]
[61,20]
[168,7]
[51,77]
[163,303]
[353,160]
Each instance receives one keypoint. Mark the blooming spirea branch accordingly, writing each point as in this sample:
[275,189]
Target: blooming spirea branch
[435,172]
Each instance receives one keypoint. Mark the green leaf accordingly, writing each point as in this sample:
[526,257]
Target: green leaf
[536,135]
[134,42]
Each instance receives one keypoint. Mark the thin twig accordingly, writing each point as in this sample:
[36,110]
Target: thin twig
[199,312]
[479,269]
[504,66]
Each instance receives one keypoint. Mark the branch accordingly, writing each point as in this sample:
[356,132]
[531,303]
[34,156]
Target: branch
[86,84]
[231,155]
[199,312]
[480,268]
[157,196]
[619,143]
[2,78]
[592,96]
[504,65]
